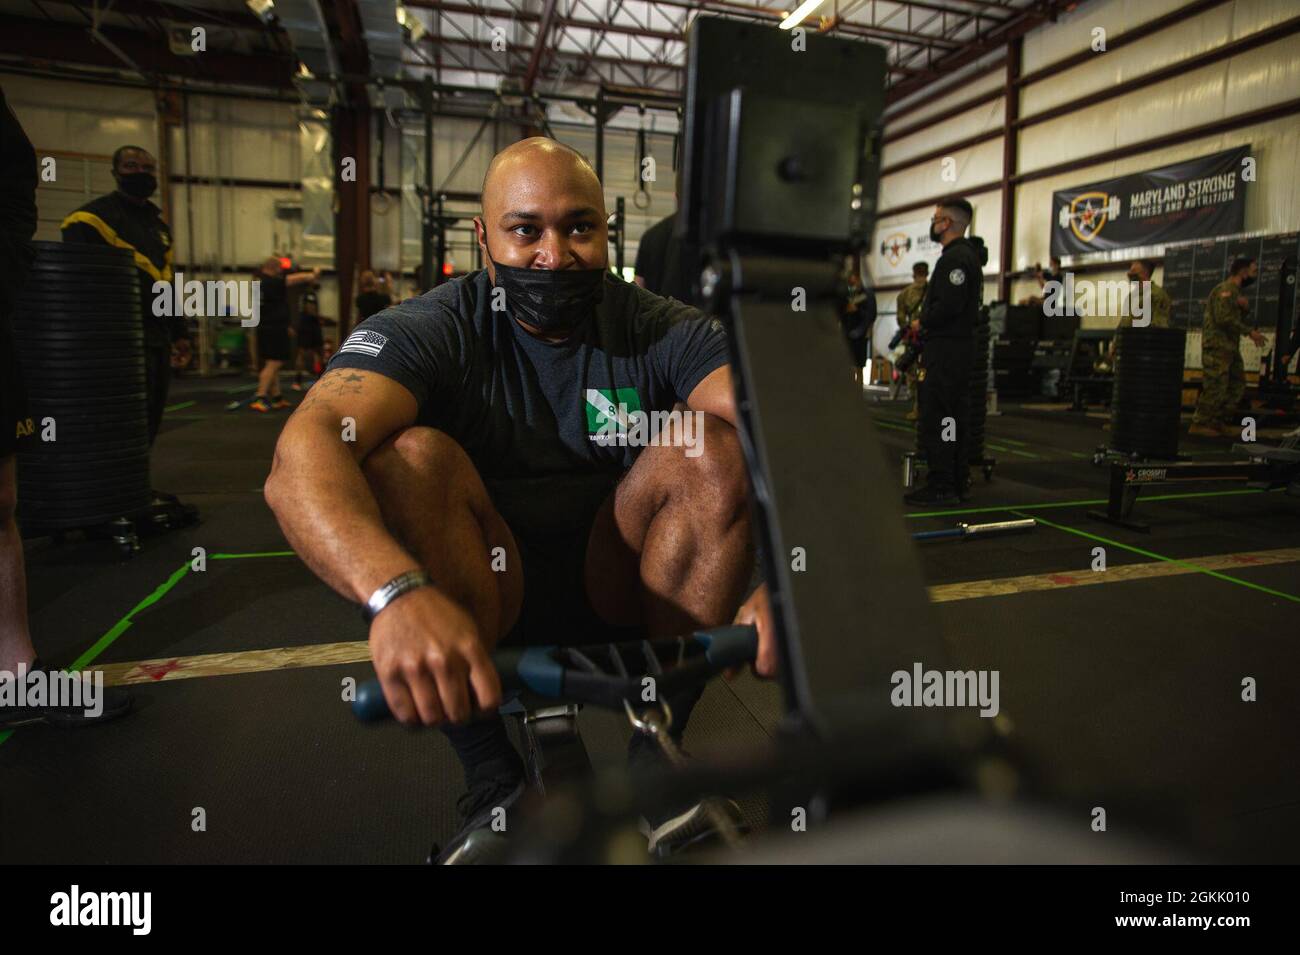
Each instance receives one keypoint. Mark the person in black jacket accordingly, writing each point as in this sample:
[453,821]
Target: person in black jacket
[947,326]
[126,219]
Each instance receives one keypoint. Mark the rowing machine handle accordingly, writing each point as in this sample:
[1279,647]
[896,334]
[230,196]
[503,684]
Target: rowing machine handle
[535,669]
[371,705]
[727,647]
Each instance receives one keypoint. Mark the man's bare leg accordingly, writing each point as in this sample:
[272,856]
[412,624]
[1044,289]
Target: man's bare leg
[268,380]
[672,548]
[433,500]
[15,637]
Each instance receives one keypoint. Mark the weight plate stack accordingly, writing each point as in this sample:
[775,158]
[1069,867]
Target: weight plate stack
[1146,404]
[978,391]
[80,339]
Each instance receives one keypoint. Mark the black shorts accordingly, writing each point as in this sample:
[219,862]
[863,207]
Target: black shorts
[16,425]
[273,342]
[551,519]
[310,337]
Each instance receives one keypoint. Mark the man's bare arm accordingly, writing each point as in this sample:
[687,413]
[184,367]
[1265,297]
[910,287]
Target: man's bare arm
[316,489]
[715,395]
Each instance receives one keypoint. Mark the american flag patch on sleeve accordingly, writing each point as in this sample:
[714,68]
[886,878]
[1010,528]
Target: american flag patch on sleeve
[365,342]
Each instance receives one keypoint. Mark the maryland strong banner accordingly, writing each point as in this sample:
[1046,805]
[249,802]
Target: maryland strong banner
[1198,199]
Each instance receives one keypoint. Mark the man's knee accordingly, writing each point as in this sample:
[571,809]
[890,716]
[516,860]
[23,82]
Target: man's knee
[423,449]
[716,476]
[421,459]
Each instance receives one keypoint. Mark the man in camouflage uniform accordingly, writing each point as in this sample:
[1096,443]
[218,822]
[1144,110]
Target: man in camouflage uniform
[1162,306]
[1223,378]
[909,308]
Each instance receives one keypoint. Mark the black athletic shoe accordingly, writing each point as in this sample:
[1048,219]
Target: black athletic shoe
[496,784]
[676,829]
[114,702]
[929,494]
[692,827]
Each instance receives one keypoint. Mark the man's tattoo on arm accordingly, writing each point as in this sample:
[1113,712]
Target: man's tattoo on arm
[336,384]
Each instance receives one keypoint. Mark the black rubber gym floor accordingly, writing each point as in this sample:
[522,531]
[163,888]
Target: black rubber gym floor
[1124,694]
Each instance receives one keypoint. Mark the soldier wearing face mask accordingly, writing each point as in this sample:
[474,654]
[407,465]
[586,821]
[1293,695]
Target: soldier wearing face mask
[1162,306]
[126,219]
[1223,374]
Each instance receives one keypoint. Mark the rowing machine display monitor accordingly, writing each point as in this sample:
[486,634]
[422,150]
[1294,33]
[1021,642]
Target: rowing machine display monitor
[779,183]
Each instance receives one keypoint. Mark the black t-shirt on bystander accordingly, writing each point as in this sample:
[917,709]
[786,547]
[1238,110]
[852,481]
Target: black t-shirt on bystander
[275,302]
[372,303]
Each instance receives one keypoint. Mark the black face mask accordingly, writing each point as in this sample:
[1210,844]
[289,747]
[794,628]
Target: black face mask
[554,301]
[138,185]
[1247,282]
[1134,277]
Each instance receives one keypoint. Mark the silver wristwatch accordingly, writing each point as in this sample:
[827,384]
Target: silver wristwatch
[401,584]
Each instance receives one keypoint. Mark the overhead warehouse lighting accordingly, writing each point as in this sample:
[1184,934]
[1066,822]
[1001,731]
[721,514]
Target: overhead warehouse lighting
[264,10]
[801,13]
[410,22]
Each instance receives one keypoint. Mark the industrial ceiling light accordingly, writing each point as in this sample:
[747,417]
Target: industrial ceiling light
[411,23]
[264,10]
[801,13]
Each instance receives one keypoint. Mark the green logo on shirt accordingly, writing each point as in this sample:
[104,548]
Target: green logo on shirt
[606,405]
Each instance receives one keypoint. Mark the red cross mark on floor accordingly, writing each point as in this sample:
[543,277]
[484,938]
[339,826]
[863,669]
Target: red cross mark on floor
[1246,559]
[1065,579]
[157,671]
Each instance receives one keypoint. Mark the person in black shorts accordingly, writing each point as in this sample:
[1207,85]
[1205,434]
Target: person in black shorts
[492,490]
[375,294]
[311,340]
[273,331]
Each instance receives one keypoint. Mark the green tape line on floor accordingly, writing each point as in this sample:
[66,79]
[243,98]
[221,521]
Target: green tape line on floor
[1004,448]
[181,406]
[999,508]
[106,641]
[269,553]
[1170,560]
[884,421]
[894,427]
[119,628]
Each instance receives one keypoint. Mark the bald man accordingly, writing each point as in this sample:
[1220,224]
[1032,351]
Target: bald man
[492,491]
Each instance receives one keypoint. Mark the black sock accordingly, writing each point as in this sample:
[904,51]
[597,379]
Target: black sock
[481,742]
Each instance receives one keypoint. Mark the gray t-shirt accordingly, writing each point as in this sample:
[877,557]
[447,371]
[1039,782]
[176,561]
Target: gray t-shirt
[521,407]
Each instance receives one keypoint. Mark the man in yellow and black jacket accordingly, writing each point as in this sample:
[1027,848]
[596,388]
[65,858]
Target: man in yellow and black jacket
[126,219]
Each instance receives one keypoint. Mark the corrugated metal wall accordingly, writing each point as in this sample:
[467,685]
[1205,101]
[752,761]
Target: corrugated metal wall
[1251,80]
